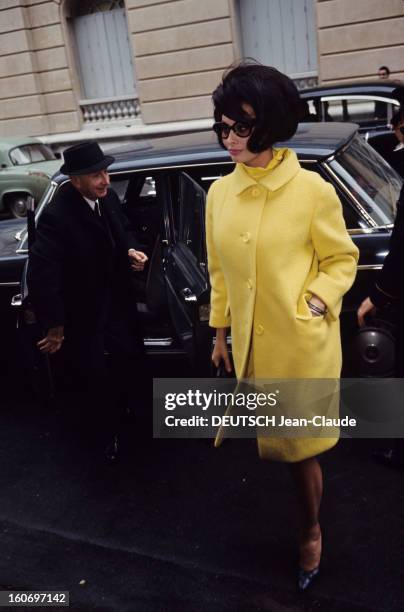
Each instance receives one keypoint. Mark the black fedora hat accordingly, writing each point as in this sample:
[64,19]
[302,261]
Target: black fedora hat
[85,158]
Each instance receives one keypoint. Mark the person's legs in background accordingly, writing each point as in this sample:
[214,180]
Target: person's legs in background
[394,457]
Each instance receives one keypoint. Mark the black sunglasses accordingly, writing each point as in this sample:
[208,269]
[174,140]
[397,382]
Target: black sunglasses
[401,129]
[242,129]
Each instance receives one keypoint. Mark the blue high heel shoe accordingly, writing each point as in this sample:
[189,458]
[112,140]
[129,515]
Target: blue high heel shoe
[306,577]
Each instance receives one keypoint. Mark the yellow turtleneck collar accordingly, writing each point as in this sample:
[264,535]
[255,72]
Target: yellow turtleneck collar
[259,173]
[281,169]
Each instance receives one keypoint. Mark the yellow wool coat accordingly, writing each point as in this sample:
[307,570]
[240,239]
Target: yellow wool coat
[271,244]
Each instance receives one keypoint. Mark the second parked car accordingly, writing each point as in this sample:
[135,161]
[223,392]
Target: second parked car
[370,104]
[26,165]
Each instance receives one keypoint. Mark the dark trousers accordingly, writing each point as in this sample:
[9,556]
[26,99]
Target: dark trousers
[99,375]
[399,442]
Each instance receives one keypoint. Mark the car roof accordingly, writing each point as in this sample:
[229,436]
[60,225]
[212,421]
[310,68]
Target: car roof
[312,140]
[377,87]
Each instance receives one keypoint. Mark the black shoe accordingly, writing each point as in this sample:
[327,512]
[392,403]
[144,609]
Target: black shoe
[112,450]
[387,458]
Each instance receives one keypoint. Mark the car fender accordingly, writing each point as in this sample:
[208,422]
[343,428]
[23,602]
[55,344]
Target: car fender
[13,190]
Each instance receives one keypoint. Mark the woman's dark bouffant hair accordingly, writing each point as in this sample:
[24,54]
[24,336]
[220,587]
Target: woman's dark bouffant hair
[272,95]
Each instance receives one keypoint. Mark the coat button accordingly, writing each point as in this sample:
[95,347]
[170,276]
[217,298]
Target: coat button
[255,192]
[249,283]
[246,237]
[259,330]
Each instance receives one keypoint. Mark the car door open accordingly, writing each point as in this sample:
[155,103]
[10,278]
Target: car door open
[185,268]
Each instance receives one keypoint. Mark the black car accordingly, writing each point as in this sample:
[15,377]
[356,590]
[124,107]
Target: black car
[162,185]
[370,104]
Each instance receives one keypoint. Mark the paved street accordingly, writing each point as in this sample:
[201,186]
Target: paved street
[166,165]
[179,525]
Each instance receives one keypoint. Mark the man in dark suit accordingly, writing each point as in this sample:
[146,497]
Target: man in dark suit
[80,287]
[391,145]
[396,159]
[389,288]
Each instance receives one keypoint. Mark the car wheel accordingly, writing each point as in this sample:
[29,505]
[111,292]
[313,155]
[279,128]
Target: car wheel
[17,205]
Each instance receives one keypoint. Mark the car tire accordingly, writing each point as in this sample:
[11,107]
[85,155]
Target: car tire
[17,205]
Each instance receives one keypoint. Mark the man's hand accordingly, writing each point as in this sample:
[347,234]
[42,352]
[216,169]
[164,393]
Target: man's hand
[52,341]
[366,307]
[137,260]
[220,352]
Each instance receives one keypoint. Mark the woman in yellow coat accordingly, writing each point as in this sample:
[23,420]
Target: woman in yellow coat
[280,260]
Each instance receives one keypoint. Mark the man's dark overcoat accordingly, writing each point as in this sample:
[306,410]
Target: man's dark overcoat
[79,264]
[389,286]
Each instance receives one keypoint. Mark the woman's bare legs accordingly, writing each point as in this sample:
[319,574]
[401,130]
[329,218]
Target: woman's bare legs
[308,478]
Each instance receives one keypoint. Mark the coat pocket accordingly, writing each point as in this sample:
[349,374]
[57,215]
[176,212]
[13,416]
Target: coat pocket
[303,311]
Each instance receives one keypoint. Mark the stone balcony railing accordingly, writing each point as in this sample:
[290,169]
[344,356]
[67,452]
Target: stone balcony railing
[305,81]
[110,110]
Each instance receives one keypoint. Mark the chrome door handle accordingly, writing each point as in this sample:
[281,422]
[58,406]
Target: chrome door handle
[16,300]
[188,295]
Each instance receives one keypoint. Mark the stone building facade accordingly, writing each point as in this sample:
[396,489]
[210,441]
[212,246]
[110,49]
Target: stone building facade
[355,37]
[54,54]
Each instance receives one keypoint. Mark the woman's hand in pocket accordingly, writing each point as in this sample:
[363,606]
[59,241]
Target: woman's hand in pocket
[317,306]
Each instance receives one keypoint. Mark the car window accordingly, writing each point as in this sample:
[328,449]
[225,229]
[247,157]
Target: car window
[133,186]
[149,188]
[310,110]
[137,193]
[31,153]
[191,216]
[119,185]
[370,180]
[334,110]
[367,112]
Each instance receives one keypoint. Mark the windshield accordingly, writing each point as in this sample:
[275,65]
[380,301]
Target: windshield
[46,197]
[370,179]
[31,153]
